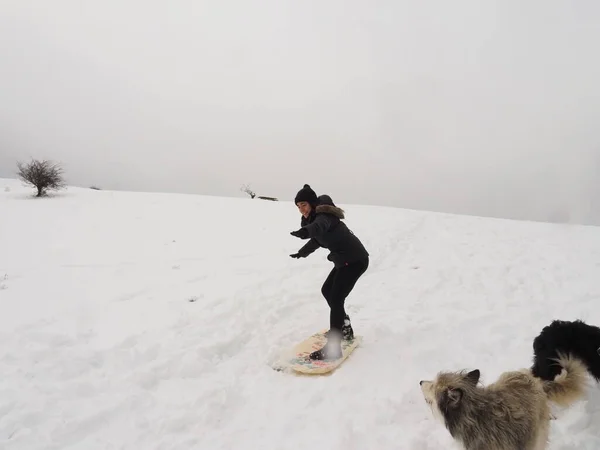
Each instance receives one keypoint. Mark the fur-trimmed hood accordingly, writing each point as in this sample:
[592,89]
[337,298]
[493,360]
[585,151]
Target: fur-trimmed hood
[325,205]
[330,209]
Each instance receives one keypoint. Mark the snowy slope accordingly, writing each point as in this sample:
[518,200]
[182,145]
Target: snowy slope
[147,321]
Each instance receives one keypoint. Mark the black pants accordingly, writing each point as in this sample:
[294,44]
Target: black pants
[337,286]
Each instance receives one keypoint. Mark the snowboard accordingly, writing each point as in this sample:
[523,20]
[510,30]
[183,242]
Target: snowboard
[297,359]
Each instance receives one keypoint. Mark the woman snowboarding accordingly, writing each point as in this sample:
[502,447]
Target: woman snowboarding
[322,224]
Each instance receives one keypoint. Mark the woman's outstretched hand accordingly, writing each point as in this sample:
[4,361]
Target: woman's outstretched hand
[302,233]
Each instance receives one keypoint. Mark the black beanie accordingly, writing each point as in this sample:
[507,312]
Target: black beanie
[306,194]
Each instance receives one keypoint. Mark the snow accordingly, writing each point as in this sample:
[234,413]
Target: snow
[148,321]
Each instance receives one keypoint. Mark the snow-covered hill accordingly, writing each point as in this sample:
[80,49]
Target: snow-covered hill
[148,321]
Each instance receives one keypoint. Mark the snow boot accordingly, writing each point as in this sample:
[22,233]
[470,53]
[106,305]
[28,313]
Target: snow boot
[347,331]
[331,350]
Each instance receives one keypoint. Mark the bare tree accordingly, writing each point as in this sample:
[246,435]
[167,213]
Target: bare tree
[245,188]
[43,175]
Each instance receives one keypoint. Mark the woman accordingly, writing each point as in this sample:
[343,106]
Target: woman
[322,224]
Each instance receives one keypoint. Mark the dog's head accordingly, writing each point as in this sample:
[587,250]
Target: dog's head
[447,391]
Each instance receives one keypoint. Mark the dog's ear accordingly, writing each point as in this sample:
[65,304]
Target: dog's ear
[473,376]
[598,351]
[450,399]
[455,396]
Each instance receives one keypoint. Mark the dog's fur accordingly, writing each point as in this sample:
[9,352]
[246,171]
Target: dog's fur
[576,338]
[511,414]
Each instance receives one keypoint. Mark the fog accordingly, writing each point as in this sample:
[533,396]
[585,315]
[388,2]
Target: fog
[475,107]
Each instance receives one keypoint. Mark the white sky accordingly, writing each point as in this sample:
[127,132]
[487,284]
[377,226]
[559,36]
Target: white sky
[470,106]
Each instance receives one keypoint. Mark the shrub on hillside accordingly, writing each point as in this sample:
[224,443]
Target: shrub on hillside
[43,175]
[245,188]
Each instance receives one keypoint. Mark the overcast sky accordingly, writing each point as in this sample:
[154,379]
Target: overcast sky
[469,106]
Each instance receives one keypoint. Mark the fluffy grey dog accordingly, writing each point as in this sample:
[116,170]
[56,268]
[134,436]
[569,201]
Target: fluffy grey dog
[511,414]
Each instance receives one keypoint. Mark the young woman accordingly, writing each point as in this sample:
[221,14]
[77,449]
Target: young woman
[322,224]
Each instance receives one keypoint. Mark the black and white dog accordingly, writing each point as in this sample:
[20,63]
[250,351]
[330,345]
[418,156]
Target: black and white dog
[567,337]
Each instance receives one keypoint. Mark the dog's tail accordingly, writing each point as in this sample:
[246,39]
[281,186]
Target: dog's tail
[569,385]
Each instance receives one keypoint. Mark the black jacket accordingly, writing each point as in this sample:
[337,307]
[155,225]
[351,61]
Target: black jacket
[326,229]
